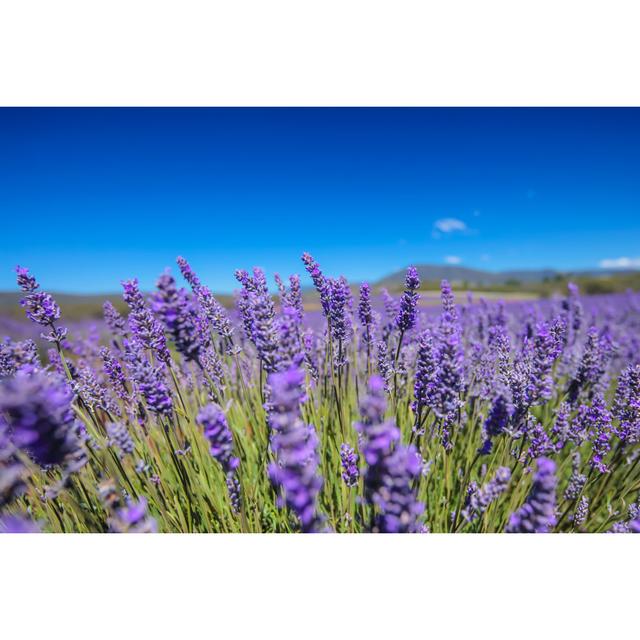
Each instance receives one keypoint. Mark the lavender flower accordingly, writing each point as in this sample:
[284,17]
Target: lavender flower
[294,444]
[424,381]
[384,365]
[582,512]
[14,355]
[600,430]
[321,284]
[149,380]
[537,514]
[258,313]
[89,389]
[143,325]
[217,432]
[289,340]
[577,480]
[626,407]
[39,417]
[125,515]
[214,369]
[449,381]
[479,499]
[541,444]
[391,467]
[39,306]
[339,320]
[188,274]
[591,369]
[498,419]
[115,373]
[212,309]
[338,309]
[18,524]
[349,462]
[310,357]
[408,312]
[26,282]
[293,298]
[282,290]
[133,518]
[574,308]
[561,425]
[544,353]
[365,313]
[116,323]
[120,438]
[178,316]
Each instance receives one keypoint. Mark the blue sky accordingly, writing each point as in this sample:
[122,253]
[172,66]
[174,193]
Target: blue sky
[91,196]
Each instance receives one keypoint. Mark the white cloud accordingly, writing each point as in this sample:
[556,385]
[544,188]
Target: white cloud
[452,259]
[449,225]
[620,263]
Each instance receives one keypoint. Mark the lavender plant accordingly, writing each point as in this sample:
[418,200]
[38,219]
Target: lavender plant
[384,415]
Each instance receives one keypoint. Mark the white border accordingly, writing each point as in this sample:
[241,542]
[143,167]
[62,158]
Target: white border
[329,52]
[288,586]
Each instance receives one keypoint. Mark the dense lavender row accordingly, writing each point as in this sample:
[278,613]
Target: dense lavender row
[384,417]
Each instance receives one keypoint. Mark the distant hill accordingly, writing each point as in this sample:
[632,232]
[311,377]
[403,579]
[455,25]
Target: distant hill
[529,282]
[432,273]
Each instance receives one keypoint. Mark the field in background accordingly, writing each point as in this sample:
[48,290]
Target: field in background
[89,307]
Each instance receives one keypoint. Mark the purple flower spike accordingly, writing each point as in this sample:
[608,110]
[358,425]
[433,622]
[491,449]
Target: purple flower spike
[537,514]
[39,306]
[134,518]
[294,443]
[116,323]
[26,282]
[626,406]
[365,312]
[15,355]
[113,369]
[149,380]
[216,430]
[125,515]
[478,500]
[321,283]
[18,524]
[338,309]
[349,462]
[408,312]
[39,417]
[178,315]
[425,376]
[497,420]
[212,309]
[120,438]
[142,323]
[391,468]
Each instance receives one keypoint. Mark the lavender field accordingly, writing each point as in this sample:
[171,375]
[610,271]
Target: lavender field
[371,414]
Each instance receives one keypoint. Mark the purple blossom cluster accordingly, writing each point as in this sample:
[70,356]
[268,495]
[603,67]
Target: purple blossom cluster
[537,514]
[388,413]
[217,432]
[294,444]
[391,467]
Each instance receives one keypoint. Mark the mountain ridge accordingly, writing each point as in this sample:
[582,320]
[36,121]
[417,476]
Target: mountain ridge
[480,277]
